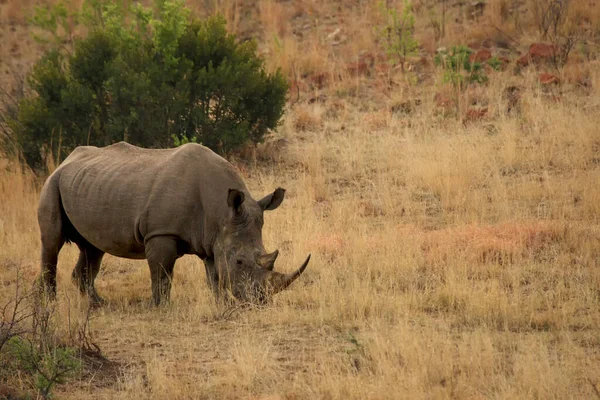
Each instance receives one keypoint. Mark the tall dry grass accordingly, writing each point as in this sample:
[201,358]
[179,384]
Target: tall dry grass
[449,262]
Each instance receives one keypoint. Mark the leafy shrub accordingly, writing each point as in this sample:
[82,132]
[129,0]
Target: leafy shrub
[47,366]
[152,77]
[459,70]
[30,346]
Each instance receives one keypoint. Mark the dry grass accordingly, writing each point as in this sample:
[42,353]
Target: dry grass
[450,260]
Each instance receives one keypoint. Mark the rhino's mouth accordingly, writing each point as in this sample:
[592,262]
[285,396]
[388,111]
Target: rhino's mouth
[259,287]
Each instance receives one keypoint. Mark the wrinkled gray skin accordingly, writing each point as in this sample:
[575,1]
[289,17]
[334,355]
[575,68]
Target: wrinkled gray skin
[159,205]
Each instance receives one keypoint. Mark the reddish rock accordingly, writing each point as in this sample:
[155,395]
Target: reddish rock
[504,62]
[319,79]
[488,43]
[548,79]
[443,101]
[474,114]
[296,86]
[539,53]
[474,44]
[556,99]
[381,57]
[512,95]
[357,68]
[364,64]
[542,50]
[481,55]
[382,69]
[523,61]
[367,58]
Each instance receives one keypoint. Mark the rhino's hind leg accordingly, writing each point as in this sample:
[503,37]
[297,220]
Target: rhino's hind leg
[50,250]
[86,270]
[161,253]
[50,220]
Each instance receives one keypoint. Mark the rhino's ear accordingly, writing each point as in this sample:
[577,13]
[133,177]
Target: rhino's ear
[273,200]
[235,199]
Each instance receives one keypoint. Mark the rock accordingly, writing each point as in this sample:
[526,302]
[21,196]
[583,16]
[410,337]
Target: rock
[444,102]
[476,9]
[333,36]
[363,66]
[320,98]
[548,79]
[474,114]
[357,68]
[488,43]
[556,98]
[405,107]
[368,58]
[320,79]
[382,69]
[539,53]
[504,62]
[542,50]
[272,150]
[474,44]
[481,55]
[296,87]
[512,96]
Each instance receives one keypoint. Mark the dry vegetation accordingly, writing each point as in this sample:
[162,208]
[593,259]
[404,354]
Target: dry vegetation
[451,258]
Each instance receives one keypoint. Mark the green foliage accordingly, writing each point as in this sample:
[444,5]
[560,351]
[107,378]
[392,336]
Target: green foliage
[48,366]
[153,77]
[397,33]
[495,63]
[459,70]
[180,141]
[56,22]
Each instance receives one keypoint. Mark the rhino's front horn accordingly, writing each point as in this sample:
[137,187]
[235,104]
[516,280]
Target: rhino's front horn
[280,282]
[268,260]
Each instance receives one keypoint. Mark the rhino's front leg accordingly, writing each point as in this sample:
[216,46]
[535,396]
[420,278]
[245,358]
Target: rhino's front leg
[161,253]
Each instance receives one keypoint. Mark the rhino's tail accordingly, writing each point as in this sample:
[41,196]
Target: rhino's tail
[70,234]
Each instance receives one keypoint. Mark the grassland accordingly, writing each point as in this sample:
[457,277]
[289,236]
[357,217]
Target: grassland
[451,258]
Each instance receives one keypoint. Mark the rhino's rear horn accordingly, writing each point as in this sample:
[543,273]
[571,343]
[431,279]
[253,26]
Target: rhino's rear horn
[282,281]
[268,260]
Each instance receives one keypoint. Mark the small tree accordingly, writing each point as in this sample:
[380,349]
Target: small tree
[397,33]
[153,77]
[458,68]
[561,24]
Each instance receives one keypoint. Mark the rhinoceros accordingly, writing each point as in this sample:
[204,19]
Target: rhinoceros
[158,205]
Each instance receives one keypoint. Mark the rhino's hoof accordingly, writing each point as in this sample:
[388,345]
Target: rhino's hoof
[96,301]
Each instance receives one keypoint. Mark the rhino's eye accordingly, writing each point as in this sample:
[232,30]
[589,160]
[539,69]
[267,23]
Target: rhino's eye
[239,263]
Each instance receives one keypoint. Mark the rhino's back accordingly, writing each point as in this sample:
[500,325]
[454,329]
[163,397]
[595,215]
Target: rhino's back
[117,196]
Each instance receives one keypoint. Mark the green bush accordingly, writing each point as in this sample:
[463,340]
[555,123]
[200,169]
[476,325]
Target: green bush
[459,70]
[153,77]
[397,34]
[48,366]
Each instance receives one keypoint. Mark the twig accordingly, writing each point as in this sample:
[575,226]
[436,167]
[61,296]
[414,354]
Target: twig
[18,314]
[297,85]
[228,312]
[594,387]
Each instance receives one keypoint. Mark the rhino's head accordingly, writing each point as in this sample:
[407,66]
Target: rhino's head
[245,269]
